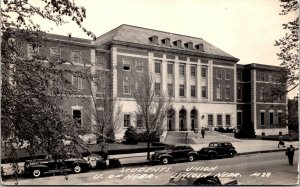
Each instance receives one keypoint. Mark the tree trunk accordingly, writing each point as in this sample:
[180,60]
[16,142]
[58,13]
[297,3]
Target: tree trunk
[148,150]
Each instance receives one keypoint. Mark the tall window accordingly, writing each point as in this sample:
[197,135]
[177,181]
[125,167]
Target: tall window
[204,92]
[239,118]
[239,93]
[126,64]
[228,120]
[262,118]
[126,120]
[126,87]
[271,118]
[193,91]
[227,92]
[261,94]
[100,61]
[157,88]
[270,77]
[139,65]
[219,74]
[279,117]
[219,120]
[181,90]
[77,82]
[75,56]
[203,72]
[77,116]
[170,68]
[139,120]
[170,90]
[262,76]
[239,75]
[210,120]
[227,75]
[157,66]
[181,69]
[193,71]
[219,92]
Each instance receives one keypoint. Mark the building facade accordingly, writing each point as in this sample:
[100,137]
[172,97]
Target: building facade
[207,86]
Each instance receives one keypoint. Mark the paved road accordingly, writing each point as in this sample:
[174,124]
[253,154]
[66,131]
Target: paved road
[256,169]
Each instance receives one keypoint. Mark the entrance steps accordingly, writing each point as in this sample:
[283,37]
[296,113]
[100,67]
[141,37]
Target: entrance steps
[179,137]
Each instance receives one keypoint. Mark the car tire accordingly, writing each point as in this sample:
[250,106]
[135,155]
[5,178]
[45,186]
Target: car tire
[165,160]
[77,168]
[36,173]
[231,154]
[212,156]
[191,158]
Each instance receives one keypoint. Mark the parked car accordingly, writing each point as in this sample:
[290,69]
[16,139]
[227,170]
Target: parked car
[172,153]
[58,164]
[195,178]
[214,150]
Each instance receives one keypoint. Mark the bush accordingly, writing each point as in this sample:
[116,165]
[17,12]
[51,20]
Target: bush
[131,136]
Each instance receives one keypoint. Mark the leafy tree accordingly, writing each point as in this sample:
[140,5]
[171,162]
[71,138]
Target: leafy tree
[289,49]
[152,108]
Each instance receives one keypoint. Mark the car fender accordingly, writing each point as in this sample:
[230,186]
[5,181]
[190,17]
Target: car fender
[193,153]
[166,155]
[212,152]
[233,150]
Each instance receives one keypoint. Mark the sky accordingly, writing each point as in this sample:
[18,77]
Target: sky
[246,29]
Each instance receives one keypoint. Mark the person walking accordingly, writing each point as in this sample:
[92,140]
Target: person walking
[290,153]
[202,132]
[280,143]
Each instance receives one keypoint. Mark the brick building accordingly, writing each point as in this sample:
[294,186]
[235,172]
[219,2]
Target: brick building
[208,87]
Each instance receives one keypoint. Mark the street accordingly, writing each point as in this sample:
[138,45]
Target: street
[256,169]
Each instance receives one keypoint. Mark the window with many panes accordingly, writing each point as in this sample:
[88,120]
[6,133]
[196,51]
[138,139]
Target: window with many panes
[181,90]
[262,76]
[77,82]
[157,66]
[219,120]
[210,120]
[228,120]
[193,91]
[227,92]
[219,74]
[239,93]
[170,90]
[193,71]
[126,120]
[239,75]
[227,75]
[126,87]
[75,57]
[139,120]
[157,88]
[170,68]
[139,65]
[270,77]
[181,69]
[203,91]
[126,64]
[219,92]
[261,94]
[203,72]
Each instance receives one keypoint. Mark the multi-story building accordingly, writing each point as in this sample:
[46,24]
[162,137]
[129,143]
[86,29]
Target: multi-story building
[207,87]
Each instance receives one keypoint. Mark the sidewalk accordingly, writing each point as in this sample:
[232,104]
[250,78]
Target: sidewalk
[243,147]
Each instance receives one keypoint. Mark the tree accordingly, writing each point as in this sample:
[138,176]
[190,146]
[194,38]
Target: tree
[289,49]
[152,107]
[293,114]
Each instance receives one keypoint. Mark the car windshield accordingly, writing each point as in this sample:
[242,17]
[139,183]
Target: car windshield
[213,145]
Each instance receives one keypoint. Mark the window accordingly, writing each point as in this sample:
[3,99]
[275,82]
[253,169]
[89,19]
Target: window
[126,87]
[54,51]
[262,118]
[239,93]
[193,91]
[227,92]
[270,77]
[139,65]
[219,74]
[75,57]
[262,77]
[126,64]
[32,50]
[157,66]
[170,68]
[210,120]
[139,120]
[126,120]
[219,92]
[193,71]
[203,72]
[219,120]
[100,61]
[181,69]
[157,89]
[204,91]
[261,94]
[228,120]
[279,117]
[239,118]
[170,90]
[77,116]
[271,117]
[239,75]
[181,90]
[227,75]
[77,82]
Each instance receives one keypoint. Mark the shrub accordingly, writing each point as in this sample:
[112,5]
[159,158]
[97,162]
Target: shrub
[131,136]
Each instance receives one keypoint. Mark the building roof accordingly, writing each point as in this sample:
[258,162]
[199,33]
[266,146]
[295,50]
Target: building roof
[139,35]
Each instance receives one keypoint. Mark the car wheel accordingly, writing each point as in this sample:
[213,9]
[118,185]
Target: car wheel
[231,154]
[165,160]
[212,156]
[77,168]
[191,158]
[36,173]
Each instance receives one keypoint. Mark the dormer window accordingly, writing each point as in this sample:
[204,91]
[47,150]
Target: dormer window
[166,41]
[189,45]
[154,40]
[178,43]
[199,47]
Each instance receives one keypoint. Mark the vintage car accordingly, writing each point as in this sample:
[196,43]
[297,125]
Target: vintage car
[172,153]
[58,164]
[214,150]
[197,178]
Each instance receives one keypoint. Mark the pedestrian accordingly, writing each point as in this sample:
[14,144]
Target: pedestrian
[280,143]
[202,132]
[290,153]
